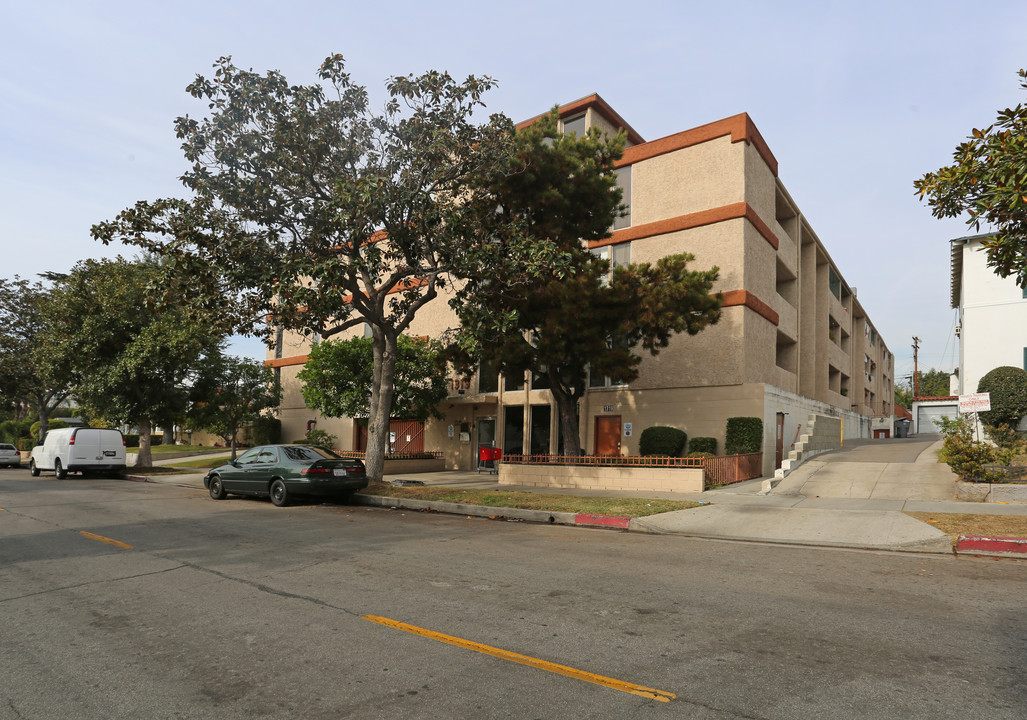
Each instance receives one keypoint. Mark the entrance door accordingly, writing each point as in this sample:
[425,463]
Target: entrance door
[607,435]
[779,456]
[486,431]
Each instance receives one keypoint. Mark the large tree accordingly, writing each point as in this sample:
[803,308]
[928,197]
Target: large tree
[26,376]
[228,392]
[131,360]
[591,324]
[988,181]
[314,213]
[338,376]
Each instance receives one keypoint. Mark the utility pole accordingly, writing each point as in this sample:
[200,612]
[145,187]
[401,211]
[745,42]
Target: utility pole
[916,373]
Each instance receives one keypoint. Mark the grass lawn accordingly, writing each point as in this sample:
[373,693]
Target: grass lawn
[623,507]
[203,463]
[976,524]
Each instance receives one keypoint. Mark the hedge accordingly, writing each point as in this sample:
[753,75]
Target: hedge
[1007,386]
[703,445]
[132,441]
[661,440]
[744,435]
[267,431]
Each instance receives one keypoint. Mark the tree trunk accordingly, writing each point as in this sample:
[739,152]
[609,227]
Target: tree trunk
[382,390]
[43,411]
[235,431]
[145,457]
[567,408]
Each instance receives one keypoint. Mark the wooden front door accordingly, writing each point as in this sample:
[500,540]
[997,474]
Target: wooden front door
[607,435]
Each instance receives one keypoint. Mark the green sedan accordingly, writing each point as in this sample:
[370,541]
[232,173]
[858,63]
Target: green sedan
[282,472]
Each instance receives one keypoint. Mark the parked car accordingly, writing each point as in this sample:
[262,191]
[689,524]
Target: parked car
[9,455]
[281,472]
[80,449]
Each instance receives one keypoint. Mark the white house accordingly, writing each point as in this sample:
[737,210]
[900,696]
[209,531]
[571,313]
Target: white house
[992,323]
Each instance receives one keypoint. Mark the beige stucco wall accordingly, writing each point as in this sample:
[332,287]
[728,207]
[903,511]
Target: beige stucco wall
[627,479]
[693,179]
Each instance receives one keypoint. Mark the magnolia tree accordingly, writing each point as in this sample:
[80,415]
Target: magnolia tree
[987,181]
[312,212]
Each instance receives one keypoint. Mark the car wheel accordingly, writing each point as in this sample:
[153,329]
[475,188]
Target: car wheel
[279,495]
[59,470]
[217,490]
[33,470]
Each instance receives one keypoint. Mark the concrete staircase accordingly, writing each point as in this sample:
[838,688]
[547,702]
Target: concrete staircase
[823,433]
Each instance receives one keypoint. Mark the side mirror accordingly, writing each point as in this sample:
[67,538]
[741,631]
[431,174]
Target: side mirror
[234,463]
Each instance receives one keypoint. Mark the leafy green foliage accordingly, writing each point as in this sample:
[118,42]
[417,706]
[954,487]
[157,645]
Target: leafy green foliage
[51,425]
[662,440]
[267,430]
[26,375]
[988,181]
[1007,387]
[386,211]
[702,445]
[12,430]
[320,438]
[338,376]
[229,392]
[129,358]
[744,435]
[967,456]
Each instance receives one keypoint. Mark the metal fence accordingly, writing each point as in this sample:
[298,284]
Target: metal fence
[729,469]
[610,460]
[1011,473]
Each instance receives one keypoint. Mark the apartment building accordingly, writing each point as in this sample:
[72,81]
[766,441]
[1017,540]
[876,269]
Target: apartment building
[793,339]
[992,314]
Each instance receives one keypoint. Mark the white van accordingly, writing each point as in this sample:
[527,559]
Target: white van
[81,449]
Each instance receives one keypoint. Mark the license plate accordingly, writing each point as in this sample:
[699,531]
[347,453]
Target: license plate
[109,453]
[340,472]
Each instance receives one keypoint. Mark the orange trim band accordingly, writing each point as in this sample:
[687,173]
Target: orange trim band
[286,361]
[734,298]
[600,106]
[692,220]
[740,127]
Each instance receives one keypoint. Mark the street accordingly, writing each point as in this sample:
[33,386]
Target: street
[136,600]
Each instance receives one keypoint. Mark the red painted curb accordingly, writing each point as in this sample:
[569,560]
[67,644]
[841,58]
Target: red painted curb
[983,543]
[603,520]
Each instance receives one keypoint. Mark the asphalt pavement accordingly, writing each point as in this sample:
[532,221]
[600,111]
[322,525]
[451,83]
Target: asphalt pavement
[855,497]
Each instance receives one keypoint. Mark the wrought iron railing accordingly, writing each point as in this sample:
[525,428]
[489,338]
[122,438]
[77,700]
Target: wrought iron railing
[720,470]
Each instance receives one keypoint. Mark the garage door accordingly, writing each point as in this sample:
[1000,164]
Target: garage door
[927,414]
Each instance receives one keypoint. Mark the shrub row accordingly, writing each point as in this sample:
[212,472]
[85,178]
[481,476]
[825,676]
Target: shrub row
[744,435]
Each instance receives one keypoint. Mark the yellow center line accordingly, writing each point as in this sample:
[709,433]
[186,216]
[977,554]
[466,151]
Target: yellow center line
[107,540]
[613,683]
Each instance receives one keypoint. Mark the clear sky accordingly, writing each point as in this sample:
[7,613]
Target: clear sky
[855,99]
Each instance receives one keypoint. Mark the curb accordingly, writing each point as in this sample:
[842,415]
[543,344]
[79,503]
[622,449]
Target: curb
[536,516]
[991,546]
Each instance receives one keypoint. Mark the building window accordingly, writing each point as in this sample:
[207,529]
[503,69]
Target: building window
[834,282]
[279,340]
[488,378]
[513,381]
[540,417]
[574,125]
[623,175]
[617,254]
[513,430]
[1025,358]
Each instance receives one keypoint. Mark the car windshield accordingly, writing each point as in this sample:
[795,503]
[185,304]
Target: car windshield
[307,454]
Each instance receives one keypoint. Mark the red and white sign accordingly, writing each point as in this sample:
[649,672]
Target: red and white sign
[975,402]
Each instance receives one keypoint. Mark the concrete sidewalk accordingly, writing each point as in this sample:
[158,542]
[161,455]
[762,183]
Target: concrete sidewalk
[863,506]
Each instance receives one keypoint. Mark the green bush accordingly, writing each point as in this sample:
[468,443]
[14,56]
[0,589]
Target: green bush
[966,456]
[1007,386]
[51,425]
[267,430]
[320,438]
[26,444]
[744,435]
[12,430]
[662,440]
[700,454]
[132,441]
[702,445]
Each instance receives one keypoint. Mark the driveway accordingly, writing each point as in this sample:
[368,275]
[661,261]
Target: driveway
[894,469]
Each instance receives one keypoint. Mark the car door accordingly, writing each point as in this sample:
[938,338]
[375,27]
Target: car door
[234,476]
[262,469]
